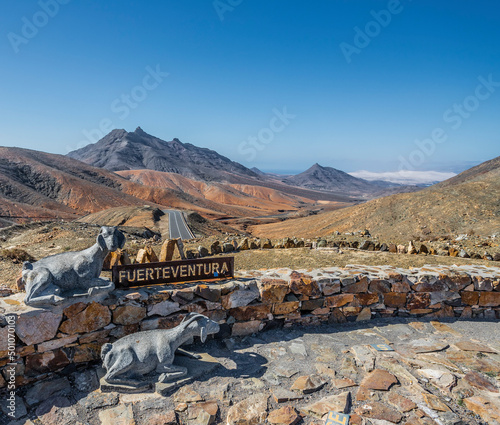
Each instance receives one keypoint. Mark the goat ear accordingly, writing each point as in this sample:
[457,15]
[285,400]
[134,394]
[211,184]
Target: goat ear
[121,239]
[203,334]
[101,241]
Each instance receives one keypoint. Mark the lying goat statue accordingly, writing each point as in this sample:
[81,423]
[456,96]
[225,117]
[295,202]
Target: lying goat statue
[133,356]
[53,279]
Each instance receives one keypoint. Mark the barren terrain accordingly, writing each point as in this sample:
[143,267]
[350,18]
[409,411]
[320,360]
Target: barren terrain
[47,238]
[467,203]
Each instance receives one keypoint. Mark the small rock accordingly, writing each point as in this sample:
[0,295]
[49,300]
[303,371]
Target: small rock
[227,247]
[58,410]
[325,370]
[281,395]
[86,381]
[215,248]
[401,403]
[286,415]
[297,348]
[43,390]
[208,292]
[251,411]
[427,346]
[376,410]
[473,346]
[163,308]
[247,328]
[267,244]
[46,362]
[338,403]
[477,380]
[343,383]
[121,414]
[241,297]
[187,395]
[158,417]
[36,328]
[273,290]
[366,314]
[181,407]
[364,357]
[128,314]
[92,318]
[203,413]
[203,252]
[435,403]
[308,384]
[97,399]
[486,408]
[379,379]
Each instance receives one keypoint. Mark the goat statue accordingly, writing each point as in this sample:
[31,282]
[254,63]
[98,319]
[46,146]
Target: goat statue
[130,358]
[53,279]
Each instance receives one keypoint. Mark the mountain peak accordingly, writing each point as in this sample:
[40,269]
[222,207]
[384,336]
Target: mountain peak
[138,150]
[318,177]
[141,133]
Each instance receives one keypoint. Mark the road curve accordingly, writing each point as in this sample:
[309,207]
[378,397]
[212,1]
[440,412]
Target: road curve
[177,226]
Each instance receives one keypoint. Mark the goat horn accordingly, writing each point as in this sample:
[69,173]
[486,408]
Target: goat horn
[192,319]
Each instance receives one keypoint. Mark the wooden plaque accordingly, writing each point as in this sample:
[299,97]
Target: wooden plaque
[173,271]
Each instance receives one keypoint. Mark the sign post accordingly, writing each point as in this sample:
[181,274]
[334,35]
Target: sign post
[173,272]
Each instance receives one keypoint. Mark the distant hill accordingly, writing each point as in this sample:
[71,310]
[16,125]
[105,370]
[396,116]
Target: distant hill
[121,150]
[332,180]
[468,202]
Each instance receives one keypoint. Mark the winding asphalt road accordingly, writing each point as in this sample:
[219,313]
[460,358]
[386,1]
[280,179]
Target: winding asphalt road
[177,225]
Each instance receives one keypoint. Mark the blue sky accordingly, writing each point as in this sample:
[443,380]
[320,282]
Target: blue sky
[275,84]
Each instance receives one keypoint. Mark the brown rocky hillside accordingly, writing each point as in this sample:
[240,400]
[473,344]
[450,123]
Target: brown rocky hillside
[467,203]
[43,185]
[263,199]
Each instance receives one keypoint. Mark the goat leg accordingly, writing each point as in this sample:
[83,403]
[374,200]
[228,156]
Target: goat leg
[170,372]
[187,354]
[101,286]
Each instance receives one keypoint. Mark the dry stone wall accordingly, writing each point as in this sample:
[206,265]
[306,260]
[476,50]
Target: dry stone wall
[60,339]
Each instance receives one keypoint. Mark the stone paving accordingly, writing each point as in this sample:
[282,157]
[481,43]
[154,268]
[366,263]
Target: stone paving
[445,373]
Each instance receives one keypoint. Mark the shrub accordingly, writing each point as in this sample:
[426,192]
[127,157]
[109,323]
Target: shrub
[17,255]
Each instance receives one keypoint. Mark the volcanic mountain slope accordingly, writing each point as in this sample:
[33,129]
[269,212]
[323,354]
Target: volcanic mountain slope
[121,150]
[263,199]
[124,151]
[38,184]
[469,202]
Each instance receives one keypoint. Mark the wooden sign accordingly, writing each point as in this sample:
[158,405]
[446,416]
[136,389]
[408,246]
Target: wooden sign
[173,271]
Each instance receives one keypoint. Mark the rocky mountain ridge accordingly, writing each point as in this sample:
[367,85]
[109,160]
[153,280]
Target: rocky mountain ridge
[121,150]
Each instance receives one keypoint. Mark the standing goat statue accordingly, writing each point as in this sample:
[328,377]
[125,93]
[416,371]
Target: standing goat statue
[53,279]
[133,356]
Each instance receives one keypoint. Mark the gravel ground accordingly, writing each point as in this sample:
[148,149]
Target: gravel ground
[43,239]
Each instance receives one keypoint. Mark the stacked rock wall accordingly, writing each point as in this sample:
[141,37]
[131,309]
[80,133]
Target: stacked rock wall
[48,341]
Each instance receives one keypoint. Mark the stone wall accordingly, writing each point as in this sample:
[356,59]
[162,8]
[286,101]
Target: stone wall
[60,339]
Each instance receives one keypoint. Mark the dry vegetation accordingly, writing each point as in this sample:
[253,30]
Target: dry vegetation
[38,240]
[453,208]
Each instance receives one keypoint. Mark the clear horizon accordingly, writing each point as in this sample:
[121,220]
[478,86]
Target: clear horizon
[367,86]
